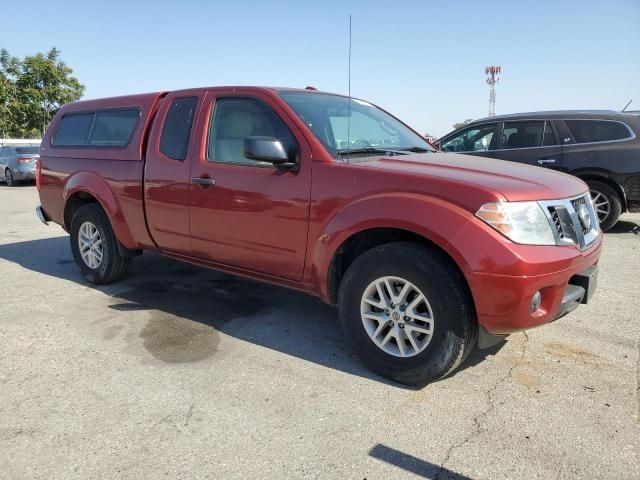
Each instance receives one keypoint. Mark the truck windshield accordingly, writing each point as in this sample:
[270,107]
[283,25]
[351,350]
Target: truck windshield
[351,126]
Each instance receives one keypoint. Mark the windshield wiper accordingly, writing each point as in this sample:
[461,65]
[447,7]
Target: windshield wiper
[415,149]
[381,151]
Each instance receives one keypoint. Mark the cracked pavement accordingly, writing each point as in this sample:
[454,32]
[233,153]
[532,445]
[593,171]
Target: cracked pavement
[443,472]
[186,373]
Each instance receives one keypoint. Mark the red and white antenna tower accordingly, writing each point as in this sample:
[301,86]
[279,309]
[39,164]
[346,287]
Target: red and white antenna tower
[493,72]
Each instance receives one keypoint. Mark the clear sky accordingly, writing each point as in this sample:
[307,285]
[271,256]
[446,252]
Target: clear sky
[422,60]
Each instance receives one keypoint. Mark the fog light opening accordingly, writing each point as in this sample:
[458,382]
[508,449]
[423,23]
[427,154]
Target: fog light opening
[535,302]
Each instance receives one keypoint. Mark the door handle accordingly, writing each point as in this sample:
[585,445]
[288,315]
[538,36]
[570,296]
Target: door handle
[203,181]
[546,161]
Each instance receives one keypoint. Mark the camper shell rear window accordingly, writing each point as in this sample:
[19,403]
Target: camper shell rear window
[97,129]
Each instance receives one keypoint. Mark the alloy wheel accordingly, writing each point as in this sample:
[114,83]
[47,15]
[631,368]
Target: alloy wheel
[90,243]
[602,205]
[397,316]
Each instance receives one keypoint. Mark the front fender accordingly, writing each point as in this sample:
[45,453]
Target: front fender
[436,220]
[97,187]
[603,175]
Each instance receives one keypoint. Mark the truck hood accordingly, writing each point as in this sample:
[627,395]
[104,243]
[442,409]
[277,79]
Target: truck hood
[514,181]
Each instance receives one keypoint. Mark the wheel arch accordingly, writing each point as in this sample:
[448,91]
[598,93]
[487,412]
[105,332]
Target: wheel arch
[364,240]
[385,218]
[86,187]
[606,179]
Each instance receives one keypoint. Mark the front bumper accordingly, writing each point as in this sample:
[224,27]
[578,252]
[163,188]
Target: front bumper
[503,301]
[580,289]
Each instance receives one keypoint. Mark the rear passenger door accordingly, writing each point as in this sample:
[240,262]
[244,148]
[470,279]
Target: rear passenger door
[598,146]
[166,177]
[530,141]
[246,213]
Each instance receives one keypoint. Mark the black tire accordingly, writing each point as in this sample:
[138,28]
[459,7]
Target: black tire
[8,178]
[113,266]
[455,327]
[615,204]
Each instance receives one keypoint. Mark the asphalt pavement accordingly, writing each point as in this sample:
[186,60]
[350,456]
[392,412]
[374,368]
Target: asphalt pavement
[181,372]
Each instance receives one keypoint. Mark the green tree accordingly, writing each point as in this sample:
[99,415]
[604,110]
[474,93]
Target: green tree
[32,90]
[9,69]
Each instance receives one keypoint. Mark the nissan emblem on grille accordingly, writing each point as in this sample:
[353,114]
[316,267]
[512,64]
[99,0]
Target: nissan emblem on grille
[583,215]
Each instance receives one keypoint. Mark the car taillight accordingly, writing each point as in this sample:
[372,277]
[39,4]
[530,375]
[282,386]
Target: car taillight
[23,160]
[38,174]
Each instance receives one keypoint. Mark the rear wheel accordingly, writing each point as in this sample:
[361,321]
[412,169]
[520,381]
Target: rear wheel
[607,203]
[95,247]
[8,177]
[407,313]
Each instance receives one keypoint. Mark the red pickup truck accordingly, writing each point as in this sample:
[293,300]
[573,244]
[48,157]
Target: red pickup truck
[425,253]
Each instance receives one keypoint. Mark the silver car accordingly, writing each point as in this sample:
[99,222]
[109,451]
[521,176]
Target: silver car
[18,162]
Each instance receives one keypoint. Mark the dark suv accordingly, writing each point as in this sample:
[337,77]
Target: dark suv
[600,147]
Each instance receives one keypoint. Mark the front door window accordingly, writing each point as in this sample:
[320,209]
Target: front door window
[235,119]
[472,139]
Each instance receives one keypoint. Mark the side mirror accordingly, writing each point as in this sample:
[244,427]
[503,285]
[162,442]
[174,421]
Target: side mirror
[267,149]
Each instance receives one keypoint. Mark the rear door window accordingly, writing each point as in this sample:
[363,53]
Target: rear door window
[176,130]
[589,131]
[522,135]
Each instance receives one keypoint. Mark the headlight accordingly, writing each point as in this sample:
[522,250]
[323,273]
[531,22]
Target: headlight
[521,222]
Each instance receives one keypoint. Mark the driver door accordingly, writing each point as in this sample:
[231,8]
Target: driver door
[247,213]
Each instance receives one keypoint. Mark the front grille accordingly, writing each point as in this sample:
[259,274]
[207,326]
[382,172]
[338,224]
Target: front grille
[555,218]
[565,218]
[577,205]
[563,224]
[576,202]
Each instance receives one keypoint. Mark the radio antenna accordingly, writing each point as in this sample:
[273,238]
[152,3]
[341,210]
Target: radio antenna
[349,90]
[349,56]
[625,107]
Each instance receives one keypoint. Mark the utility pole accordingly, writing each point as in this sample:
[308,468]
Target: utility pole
[492,78]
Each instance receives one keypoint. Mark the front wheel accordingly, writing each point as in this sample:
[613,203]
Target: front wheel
[607,204]
[407,313]
[95,247]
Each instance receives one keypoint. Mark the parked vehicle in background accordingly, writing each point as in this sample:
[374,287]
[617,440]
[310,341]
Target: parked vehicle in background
[18,162]
[600,147]
[421,251]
